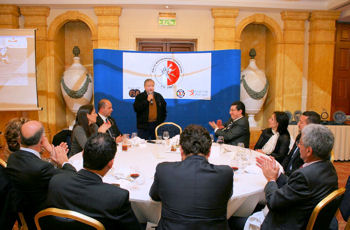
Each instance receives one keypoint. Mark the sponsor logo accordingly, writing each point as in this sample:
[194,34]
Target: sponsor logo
[180,93]
[167,72]
[198,93]
[134,92]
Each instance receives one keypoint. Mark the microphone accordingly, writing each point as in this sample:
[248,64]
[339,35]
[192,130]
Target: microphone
[151,101]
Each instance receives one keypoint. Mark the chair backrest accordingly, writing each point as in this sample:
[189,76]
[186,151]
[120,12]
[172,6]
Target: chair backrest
[347,227]
[24,225]
[54,218]
[332,156]
[3,163]
[325,210]
[171,127]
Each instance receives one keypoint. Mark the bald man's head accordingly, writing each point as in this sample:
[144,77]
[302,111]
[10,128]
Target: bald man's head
[31,133]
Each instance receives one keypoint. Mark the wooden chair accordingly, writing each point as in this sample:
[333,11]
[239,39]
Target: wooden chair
[325,210]
[54,218]
[347,226]
[171,127]
[332,156]
[3,163]
[24,225]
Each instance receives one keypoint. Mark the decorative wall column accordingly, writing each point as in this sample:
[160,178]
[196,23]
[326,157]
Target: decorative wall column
[36,17]
[225,28]
[321,56]
[293,39]
[108,26]
[9,16]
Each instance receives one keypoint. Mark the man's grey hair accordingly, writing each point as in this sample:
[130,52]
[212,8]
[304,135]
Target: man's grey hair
[320,139]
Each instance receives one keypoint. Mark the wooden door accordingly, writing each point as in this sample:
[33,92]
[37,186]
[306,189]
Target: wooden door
[166,45]
[341,74]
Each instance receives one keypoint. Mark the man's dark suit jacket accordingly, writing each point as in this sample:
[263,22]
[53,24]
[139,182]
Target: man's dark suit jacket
[194,194]
[292,160]
[235,132]
[292,200]
[282,145]
[30,177]
[85,192]
[141,107]
[113,130]
[8,212]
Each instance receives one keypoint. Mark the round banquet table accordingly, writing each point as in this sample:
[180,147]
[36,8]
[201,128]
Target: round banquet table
[247,189]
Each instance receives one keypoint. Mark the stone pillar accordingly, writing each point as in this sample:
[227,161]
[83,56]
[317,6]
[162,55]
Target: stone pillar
[9,16]
[321,57]
[225,28]
[36,17]
[108,26]
[293,41]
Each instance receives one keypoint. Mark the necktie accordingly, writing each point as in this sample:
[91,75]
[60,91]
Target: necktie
[290,165]
[109,131]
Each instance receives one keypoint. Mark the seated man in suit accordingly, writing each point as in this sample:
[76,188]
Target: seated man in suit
[236,130]
[105,110]
[193,192]
[292,200]
[293,161]
[85,191]
[29,174]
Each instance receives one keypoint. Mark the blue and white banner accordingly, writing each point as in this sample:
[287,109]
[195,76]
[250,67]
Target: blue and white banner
[176,75]
[209,81]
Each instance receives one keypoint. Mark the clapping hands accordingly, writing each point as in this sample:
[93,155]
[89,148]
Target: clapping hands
[104,127]
[269,167]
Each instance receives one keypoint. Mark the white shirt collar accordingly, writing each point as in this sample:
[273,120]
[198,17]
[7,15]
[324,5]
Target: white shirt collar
[31,151]
[237,118]
[103,117]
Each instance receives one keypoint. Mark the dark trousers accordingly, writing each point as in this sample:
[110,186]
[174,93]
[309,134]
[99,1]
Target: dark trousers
[148,132]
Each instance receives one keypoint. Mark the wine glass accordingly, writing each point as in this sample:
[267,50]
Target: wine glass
[134,134]
[220,141]
[165,135]
[240,144]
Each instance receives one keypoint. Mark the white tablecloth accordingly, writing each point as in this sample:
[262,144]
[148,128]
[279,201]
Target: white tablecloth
[247,190]
[341,140]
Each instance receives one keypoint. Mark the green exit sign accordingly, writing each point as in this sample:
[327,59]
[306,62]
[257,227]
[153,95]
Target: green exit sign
[167,21]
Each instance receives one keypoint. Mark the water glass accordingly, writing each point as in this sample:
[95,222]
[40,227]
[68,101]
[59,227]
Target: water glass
[212,138]
[134,134]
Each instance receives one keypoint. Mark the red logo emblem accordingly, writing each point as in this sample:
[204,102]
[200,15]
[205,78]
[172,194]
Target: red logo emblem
[167,71]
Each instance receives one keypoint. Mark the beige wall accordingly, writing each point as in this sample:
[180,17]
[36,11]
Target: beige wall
[143,23]
[192,23]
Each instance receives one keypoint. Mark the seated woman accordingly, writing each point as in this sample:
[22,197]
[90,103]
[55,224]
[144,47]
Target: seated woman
[85,126]
[275,140]
[12,135]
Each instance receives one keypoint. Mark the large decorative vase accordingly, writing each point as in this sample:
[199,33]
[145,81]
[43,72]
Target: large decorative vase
[254,88]
[76,84]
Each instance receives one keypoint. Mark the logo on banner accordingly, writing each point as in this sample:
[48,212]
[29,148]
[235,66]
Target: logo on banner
[180,93]
[167,71]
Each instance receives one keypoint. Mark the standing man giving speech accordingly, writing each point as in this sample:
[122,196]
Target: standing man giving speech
[150,108]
